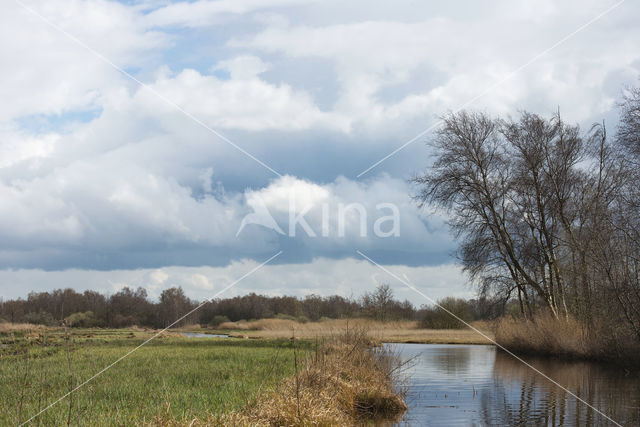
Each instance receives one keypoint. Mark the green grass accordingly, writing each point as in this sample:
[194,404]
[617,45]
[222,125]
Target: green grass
[188,377]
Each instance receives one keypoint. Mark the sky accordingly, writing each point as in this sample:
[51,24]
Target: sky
[184,143]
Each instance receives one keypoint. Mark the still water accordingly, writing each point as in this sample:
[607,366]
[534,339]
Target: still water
[199,335]
[480,385]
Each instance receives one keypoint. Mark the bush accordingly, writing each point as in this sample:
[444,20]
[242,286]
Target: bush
[217,321]
[81,320]
[437,318]
[41,318]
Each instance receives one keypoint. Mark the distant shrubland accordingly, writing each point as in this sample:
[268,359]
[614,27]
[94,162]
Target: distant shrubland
[129,307]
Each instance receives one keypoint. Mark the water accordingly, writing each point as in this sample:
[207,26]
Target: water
[199,335]
[480,385]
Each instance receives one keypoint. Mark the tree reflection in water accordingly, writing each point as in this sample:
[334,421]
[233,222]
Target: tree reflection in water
[611,390]
[462,385]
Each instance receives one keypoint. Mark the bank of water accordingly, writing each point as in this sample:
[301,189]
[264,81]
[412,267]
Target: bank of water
[481,385]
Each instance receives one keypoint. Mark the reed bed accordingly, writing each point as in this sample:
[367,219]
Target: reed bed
[6,327]
[567,338]
[402,331]
[334,325]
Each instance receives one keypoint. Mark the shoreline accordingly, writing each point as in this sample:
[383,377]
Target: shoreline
[392,331]
[435,341]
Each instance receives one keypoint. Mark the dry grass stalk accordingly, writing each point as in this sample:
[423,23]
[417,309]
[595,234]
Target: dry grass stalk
[394,331]
[13,327]
[543,335]
[568,338]
[334,325]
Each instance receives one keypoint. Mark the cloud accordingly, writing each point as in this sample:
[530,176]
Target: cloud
[348,277]
[243,102]
[243,67]
[204,13]
[99,173]
[95,220]
[465,56]
[48,73]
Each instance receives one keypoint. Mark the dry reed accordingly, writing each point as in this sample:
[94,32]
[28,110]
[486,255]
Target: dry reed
[14,327]
[542,335]
[402,331]
[567,338]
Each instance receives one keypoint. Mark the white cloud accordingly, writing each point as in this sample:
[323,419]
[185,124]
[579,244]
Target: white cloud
[17,146]
[47,73]
[245,102]
[468,56]
[203,13]
[243,67]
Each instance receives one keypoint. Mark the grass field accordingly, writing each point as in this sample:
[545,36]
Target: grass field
[180,378]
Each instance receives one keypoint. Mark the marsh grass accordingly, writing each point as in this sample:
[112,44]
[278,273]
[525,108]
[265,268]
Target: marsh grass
[567,338]
[184,378]
[402,331]
[6,327]
[334,326]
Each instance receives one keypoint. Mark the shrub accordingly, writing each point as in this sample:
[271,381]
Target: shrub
[437,318]
[218,320]
[41,318]
[81,320]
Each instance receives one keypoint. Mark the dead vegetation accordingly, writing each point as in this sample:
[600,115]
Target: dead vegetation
[565,337]
[401,331]
[332,325]
[6,327]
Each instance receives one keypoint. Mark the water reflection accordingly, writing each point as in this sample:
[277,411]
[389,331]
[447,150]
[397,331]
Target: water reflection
[199,335]
[477,385]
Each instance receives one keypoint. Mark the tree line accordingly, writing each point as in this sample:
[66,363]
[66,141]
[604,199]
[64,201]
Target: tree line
[129,307]
[546,214]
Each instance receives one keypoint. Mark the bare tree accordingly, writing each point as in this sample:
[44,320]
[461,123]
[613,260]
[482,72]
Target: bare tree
[378,303]
[542,211]
[629,128]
